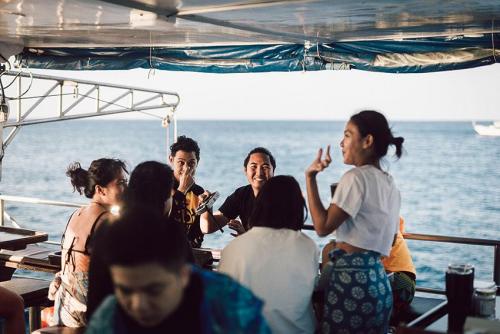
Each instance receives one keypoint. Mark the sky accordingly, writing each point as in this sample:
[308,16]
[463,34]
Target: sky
[470,94]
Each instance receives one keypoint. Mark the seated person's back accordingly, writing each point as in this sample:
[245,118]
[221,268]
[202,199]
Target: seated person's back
[103,183]
[275,259]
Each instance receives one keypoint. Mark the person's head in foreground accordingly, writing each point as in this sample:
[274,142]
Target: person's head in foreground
[150,185]
[367,137]
[280,204]
[157,291]
[147,266]
[259,166]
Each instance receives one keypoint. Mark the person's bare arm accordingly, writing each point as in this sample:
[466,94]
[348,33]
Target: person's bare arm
[12,310]
[210,223]
[334,218]
[324,221]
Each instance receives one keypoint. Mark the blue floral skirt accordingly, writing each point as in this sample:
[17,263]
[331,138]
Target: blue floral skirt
[358,297]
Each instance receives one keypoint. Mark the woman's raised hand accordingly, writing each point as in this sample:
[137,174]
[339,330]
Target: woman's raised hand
[319,163]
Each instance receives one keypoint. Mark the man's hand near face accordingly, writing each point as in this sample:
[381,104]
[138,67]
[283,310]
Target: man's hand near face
[186,180]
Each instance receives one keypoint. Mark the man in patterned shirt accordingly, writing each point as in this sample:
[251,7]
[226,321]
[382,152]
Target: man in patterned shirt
[184,158]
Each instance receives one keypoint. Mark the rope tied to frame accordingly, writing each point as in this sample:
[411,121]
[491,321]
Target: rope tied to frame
[493,39]
[151,71]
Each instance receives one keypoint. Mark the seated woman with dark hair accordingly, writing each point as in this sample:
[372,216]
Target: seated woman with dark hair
[275,259]
[149,188]
[103,183]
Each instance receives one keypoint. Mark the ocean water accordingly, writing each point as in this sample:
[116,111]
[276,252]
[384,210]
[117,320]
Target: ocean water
[449,177]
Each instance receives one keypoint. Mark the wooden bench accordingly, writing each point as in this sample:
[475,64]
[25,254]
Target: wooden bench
[34,293]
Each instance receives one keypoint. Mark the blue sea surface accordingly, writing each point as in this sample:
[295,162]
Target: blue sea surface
[449,176]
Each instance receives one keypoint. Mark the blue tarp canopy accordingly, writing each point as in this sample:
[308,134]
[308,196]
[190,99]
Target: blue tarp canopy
[409,56]
[223,36]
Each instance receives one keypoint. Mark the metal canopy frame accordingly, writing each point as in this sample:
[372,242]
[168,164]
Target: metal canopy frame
[108,99]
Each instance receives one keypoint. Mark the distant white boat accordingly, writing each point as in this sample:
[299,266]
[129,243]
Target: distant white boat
[487,130]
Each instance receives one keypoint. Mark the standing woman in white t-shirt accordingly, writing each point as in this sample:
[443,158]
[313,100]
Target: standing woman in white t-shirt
[364,212]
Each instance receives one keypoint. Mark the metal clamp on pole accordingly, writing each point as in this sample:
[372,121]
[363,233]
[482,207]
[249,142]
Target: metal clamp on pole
[496,268]
[4,116]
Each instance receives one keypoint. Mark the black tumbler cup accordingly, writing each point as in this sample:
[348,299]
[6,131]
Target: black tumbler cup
[459,292]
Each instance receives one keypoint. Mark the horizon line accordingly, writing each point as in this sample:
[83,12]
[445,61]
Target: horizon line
[104,118]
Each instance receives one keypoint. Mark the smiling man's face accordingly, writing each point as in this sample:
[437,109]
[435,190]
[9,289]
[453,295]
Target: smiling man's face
[258,170]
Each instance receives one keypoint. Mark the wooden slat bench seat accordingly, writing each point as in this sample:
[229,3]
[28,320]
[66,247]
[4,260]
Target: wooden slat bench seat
[34,293]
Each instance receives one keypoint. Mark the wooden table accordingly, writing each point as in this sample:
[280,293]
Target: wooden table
[13,242]
[12,238]
[33,258]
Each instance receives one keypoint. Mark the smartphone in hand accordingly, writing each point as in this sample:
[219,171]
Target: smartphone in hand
[207,203]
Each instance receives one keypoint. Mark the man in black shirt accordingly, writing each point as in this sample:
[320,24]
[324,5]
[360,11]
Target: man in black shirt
[259,166]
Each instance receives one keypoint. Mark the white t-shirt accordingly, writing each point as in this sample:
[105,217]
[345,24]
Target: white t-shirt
[372,201]
[280,266]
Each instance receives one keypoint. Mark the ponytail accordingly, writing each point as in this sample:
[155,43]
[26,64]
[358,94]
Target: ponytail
[79,177]
[398,142]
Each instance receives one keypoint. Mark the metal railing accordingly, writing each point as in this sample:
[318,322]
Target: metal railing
[457,240]
[410,236]
[29,200]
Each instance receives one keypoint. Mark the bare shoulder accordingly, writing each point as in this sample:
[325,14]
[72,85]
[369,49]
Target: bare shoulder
[85,217]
